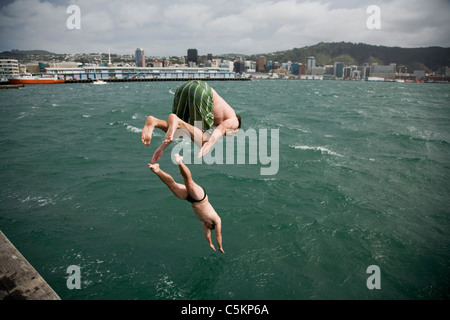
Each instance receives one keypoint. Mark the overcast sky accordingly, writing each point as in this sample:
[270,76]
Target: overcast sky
[170,27]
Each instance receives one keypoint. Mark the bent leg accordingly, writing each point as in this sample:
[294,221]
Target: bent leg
[179,190]
[177,128]
[174,123]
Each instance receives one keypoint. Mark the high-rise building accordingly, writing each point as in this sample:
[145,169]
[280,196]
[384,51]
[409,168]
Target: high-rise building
[140,57]
[339,70]
[239,66]
[268,66]
[261,64]
[296,68]
[192,56]
[8,67]
[310,63]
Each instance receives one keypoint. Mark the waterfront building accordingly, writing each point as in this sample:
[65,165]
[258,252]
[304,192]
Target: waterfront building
[123,73]
[296,68]
[339,70]
[419,74]
[310,64]
[140,57]
[287,66]
[317,71]
[239,66]
[311,77]
[261,64]
[329,70]
[8,67]
[365,71]
[350,72]
[383,71]
[250,66]
[269,65]
[192,56]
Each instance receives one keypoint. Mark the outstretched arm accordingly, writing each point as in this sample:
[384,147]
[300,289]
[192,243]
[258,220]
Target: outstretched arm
[218,228]
[159,152]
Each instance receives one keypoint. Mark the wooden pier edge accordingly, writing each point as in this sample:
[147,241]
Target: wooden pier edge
[18,279]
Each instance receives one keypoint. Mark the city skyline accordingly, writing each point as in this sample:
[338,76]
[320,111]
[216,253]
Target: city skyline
[221,27]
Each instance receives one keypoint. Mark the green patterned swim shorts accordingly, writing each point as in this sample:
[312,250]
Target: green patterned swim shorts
[194,102]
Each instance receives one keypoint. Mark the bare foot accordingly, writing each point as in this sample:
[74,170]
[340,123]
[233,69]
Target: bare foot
[154,167]
[178,158]
[146,135]
[172,122]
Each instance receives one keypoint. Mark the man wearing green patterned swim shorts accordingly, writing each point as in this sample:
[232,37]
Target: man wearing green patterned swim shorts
[195,102]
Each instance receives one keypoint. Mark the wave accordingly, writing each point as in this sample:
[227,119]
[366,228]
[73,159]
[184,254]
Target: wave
[293,128]
[133,129]
[322,150]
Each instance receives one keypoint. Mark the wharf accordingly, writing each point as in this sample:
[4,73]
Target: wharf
[155,79]
[18,279]
[11,86]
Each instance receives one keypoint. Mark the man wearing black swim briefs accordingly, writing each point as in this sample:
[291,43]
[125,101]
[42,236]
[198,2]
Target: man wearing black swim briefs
[198,198]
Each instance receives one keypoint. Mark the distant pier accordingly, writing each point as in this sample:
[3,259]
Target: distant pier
[154,79]
[18,279]
[11,86]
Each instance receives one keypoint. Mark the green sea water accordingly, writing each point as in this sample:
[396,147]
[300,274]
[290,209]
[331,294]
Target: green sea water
[363,180]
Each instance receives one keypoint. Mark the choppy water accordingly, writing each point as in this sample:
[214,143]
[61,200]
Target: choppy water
[363,180]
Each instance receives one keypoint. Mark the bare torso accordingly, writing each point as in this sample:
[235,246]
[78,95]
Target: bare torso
[205,211]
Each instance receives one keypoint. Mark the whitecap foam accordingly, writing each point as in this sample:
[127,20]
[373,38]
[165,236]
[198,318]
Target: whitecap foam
[133,129]
[322,150]
[293,128]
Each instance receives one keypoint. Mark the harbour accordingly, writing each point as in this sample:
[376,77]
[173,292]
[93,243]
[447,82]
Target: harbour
[362,181]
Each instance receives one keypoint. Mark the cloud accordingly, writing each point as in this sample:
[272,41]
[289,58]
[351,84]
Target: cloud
[217,26]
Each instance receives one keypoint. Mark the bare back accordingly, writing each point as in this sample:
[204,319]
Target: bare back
[205,212]
[222,110]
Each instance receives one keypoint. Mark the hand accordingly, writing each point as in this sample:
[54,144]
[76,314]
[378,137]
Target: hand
[154,167]
[205,149]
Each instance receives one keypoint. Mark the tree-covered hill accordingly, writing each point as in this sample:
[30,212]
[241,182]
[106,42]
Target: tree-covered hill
[430,58]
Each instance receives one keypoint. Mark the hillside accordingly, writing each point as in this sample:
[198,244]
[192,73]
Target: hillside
[430,59]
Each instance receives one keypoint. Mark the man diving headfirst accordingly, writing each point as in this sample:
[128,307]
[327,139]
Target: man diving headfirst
[195,101]
[198,198]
